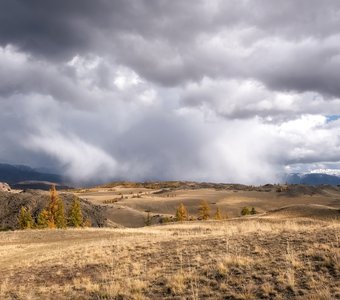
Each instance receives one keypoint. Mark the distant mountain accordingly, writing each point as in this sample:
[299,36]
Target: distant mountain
[313,179]
[14,174]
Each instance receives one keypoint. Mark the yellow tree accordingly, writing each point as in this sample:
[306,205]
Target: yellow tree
[43,219]
[218,215]
[204,211]
[25,220]
[60,220]
[181,213]
[56,214]
[75,215]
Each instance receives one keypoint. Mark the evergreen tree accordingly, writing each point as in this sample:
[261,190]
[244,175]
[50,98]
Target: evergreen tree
[204,211]
[25,220]
[218,215]
[181,213]
[75,215]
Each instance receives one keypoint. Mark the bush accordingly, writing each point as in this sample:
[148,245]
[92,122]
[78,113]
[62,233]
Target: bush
[245,211]
[253,211]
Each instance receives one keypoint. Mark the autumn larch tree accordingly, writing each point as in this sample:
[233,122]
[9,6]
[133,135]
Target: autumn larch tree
[75,216]
[60,220]
[43,219]
[204,211]
[56,214]
[181,213]
[218,215]
[25,219]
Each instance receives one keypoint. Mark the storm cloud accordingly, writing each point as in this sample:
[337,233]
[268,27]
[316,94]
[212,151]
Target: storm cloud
[232,91]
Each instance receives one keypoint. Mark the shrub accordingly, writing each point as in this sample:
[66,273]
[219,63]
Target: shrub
[253,211]
[245,211]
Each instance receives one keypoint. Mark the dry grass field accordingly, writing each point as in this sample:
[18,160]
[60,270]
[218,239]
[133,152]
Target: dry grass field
[250,258]
[128,206]
[289,250]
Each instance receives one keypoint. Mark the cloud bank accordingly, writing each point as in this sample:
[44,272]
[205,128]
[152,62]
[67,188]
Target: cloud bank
[237,91]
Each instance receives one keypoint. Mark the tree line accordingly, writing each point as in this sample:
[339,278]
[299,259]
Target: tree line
[54,216]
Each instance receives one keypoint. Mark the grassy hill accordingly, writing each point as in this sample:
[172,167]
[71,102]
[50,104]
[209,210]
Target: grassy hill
[235,259]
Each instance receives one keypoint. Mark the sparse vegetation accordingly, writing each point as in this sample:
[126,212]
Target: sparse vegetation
[248,211]
[237,259]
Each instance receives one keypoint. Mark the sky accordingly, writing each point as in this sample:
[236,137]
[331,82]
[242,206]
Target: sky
[205,90]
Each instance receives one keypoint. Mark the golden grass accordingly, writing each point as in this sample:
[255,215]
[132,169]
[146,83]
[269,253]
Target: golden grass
[239,259]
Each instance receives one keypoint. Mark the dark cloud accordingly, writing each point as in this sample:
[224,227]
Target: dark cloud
[206,90]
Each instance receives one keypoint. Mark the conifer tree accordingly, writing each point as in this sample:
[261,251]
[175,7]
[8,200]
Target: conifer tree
[218,215]
[60,220]
[75,214]
[56,210]
[25,220]
[204,211]
[43,218]
[52,207]
[181,213]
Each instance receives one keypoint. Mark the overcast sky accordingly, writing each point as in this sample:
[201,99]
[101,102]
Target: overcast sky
[227,91]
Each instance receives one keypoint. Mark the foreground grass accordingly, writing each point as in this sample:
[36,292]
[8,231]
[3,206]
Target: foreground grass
[246,259]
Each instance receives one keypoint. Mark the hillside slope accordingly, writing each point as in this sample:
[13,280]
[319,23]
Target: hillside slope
[16,173]
[35,201]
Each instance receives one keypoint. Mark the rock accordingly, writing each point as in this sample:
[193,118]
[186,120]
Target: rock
[4,187]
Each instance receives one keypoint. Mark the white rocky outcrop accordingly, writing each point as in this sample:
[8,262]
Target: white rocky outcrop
[4,187]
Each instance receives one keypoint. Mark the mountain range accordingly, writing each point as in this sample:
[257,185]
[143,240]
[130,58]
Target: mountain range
[313,179]
[20,176]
